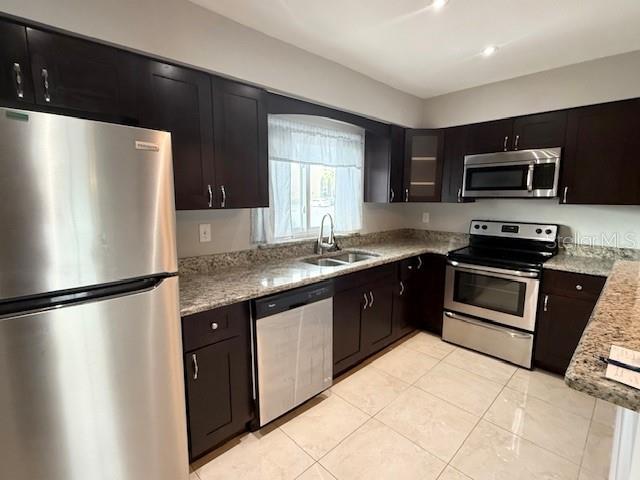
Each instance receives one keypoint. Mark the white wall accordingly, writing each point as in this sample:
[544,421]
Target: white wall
[231,229]
[587,224]
[596,81]
[182,31]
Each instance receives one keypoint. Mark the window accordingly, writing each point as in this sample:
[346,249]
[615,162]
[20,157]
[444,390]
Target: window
[315,167]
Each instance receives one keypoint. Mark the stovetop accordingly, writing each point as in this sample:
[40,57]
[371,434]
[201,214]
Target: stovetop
[510,245]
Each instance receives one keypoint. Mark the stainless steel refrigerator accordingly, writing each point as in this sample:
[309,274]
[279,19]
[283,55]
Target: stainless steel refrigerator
[91,378]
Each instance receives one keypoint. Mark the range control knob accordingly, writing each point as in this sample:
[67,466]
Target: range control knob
[484,227]
[538,231]
[476,226]
[548,231]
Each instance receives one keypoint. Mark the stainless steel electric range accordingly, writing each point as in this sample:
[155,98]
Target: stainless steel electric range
[491,288]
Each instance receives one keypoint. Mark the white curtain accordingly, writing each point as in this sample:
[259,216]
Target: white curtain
[296,143]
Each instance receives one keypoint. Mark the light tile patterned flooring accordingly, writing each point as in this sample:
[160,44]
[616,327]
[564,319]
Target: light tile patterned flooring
[424,409]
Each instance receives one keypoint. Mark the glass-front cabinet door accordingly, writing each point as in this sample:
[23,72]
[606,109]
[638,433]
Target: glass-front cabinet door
[423,165]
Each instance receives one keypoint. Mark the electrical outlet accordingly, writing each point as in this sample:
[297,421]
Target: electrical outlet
[205,232]
[425,217]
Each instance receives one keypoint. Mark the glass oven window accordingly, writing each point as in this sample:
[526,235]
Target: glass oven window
[497,178]
[493,293]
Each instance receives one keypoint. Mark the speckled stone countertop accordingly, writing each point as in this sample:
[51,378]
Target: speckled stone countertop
[614,321]
[204,291]
[590,259]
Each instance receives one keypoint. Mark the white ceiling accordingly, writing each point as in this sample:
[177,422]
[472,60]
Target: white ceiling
[409,45]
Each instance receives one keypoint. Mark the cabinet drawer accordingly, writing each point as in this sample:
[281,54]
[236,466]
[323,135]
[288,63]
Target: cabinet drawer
[213,326]
[574,285]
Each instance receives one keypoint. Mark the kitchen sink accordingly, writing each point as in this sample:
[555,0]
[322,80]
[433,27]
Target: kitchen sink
[342,259]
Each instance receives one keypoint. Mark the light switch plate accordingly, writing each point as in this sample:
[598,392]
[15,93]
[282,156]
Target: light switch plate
[205,232]
[425,217]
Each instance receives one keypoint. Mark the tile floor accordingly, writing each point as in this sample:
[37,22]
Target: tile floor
[424,409]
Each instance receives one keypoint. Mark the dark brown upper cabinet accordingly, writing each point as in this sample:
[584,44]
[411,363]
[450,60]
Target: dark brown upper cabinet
[86,78]
[423,165]
[16,86]
[384,165]
[453,164]
[601,162]
[542,130]
[178,100]
[241,143]
[488,137]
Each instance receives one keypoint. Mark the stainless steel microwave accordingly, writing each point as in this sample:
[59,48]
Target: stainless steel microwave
[522,173]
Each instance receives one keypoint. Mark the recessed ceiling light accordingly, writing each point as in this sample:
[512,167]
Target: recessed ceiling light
[438,4]
[490,50]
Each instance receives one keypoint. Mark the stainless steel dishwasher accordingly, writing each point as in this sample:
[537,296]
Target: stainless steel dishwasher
[294,348]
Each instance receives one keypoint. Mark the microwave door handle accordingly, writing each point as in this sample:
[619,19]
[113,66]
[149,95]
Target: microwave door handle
[530,177]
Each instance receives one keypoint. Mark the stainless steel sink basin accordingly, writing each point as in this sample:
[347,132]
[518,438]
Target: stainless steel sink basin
[342,259]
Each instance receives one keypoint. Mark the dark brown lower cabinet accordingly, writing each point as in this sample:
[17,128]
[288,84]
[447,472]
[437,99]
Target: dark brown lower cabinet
[362,315]
[431,291]
[566,303]
[218,378]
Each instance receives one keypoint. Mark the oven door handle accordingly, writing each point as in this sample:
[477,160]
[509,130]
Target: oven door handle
[488,326]
[504,271]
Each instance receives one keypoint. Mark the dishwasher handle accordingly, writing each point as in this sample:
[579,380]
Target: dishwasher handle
[291,299]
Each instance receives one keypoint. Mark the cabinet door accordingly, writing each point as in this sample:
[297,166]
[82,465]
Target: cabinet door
[240,137]
[347,312]
[453,164]
[218,393]
[377,168]
[397,163]
[87,78]
[560,325]
[423,165]
[377,320]
[433,281]
[543,130]
[601,163]
[16,87]
[178,100]
[489,137]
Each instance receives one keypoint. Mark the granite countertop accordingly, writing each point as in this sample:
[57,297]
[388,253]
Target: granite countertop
[202,291]
[581,264]
[614,321]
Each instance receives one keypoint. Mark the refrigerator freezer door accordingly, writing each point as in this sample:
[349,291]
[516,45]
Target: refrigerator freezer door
[83,203]
[95,390]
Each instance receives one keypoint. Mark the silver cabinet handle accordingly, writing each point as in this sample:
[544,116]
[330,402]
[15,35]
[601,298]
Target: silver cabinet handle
[406,194]
[506,140]
[564,195]
[224,196]
[530,177]
[419,263]
[401,287]
[515,143]
[371,295]
[546,303]
[19,87]
[214,326]
[366,300]
[393,195]
[460,195]
[45,84]
[210,196]
[579,287]
[194,360]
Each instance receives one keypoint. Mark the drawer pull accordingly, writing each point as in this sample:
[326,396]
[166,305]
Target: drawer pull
[579,287]
[214,326]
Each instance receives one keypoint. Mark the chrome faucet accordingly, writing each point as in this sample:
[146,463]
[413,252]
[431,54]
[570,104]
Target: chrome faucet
[330,244]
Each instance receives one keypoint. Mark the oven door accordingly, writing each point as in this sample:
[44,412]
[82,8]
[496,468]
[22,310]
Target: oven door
[503,296]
